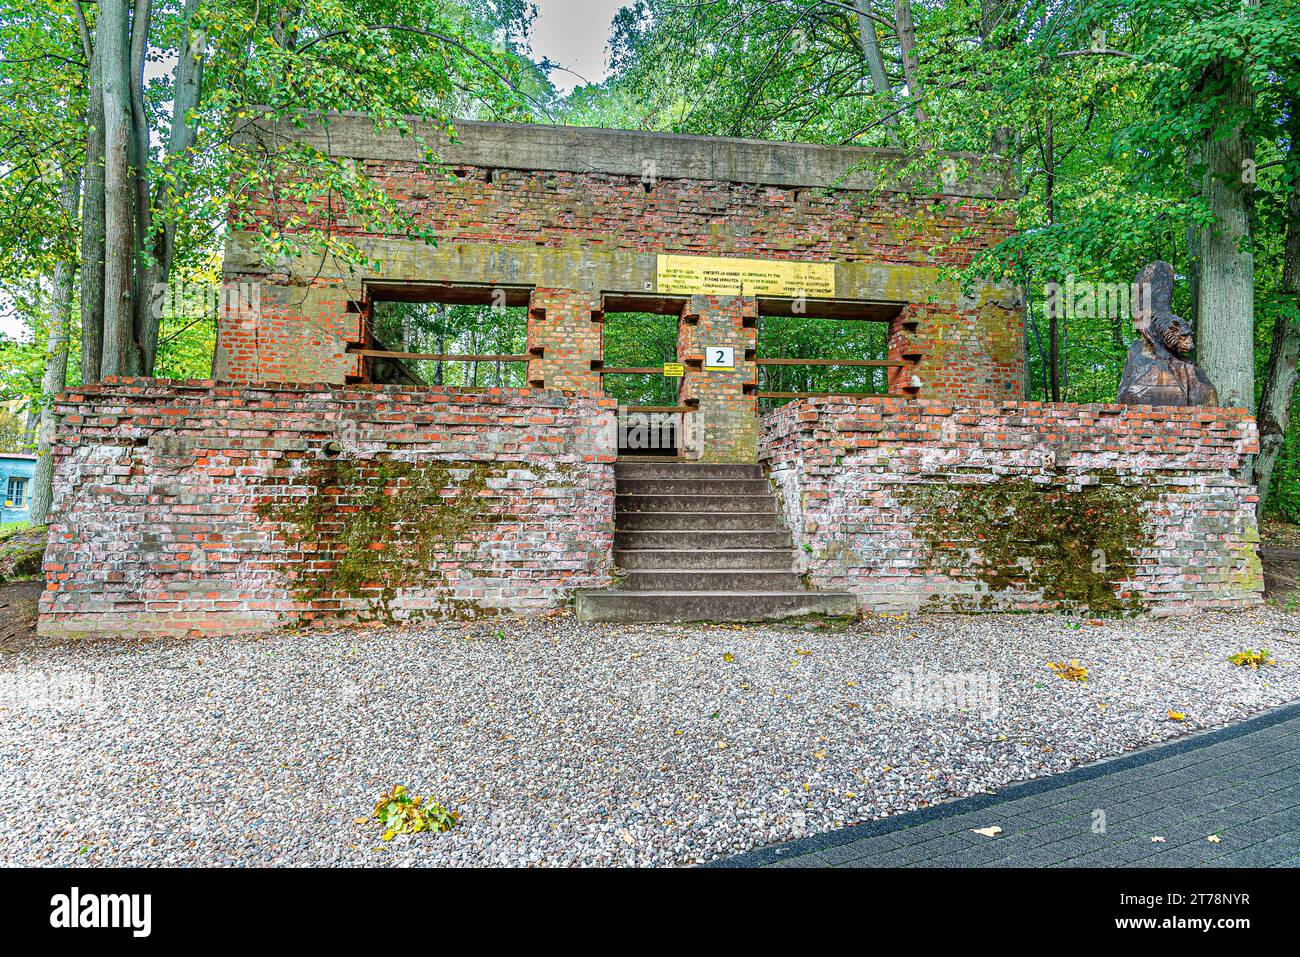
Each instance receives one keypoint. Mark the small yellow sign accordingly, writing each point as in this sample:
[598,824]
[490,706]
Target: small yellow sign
[674,370]
[719,276]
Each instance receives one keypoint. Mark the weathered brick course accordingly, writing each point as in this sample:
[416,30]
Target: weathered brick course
[1019,505]
[199,507]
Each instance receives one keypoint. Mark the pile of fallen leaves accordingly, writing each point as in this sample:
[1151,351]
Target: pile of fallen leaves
[1071,672]
[1252,659]
[401,813]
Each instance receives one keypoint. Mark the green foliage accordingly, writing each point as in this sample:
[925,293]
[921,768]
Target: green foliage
[401,813]
[388,59]
[640,340]
[437,329]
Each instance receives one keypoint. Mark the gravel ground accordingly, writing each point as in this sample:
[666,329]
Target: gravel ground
[564,743]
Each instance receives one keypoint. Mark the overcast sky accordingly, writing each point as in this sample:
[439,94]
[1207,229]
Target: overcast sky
[573,33]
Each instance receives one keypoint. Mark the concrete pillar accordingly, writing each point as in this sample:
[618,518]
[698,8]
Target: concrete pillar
[726,419]
[566,325]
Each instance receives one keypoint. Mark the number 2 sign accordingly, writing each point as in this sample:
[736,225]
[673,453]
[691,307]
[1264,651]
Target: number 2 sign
[719,357]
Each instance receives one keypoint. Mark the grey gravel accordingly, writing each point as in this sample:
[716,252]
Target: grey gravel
[563,743]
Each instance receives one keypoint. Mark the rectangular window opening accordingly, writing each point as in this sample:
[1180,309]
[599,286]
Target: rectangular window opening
[491,334]
[791,338]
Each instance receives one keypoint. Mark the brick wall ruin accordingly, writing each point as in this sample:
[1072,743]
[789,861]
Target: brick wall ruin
[566,218]
[242,504]
[196,507]
[1019,505]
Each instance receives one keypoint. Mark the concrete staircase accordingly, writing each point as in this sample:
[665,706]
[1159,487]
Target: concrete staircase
[702,543]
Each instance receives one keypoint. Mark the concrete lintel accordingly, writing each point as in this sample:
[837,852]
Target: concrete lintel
[589,268]
[573,149]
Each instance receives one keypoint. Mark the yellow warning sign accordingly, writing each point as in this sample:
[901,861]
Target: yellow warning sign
[674,370]
[718,276]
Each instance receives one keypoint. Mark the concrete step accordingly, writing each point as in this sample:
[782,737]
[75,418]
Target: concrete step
[693,486]
[772,559]
[685,522]
[695,579]
[669,470]
[704,539]
[617,605]
[694,503]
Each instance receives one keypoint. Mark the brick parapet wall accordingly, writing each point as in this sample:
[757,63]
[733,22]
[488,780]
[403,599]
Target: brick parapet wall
[197,507]
[1019,505]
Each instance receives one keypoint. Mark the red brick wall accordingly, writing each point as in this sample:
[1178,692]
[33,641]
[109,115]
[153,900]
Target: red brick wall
[970,350]
[192,507]
[726,417]
[1019,505]
[565,325]
[686,216]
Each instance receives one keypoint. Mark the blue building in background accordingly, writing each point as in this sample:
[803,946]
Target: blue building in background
[16,470]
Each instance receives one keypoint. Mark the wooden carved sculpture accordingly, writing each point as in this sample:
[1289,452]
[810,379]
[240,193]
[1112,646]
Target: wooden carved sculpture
[1157,371]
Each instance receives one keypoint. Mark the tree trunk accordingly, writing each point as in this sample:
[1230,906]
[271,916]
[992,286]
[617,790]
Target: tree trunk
[1054,312]
[907,46]
[1280,380]
[1001,137]
[1226,312]
[144,322]
[870,44]
[55,376]
[119,194]
[156,222]
[92,226]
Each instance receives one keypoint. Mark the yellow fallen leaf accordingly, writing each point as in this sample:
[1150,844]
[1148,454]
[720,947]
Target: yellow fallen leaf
[728,657]
[360,820]
[820,754]
[992,831]
[1176,716]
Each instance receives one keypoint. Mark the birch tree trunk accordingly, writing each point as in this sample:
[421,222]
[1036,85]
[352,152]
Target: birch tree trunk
[155,214]
[55,376]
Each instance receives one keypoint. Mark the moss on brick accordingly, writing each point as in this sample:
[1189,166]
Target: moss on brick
[379,526]
[1076,547]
